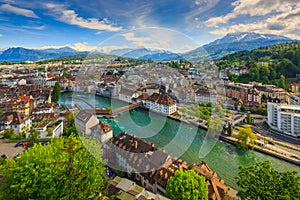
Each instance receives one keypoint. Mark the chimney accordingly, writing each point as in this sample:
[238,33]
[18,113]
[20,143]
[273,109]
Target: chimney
[135,144]
[166,175]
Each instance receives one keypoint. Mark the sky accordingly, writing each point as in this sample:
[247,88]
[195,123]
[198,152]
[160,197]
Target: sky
[178,25]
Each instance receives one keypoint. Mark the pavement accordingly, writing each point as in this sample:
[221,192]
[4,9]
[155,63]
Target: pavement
[9,149]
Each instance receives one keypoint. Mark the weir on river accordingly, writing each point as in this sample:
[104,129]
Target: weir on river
[223,158]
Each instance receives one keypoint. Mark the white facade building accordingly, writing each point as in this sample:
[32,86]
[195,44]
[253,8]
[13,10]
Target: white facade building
[40,78]
[284,118]
[127,95]
[161,103]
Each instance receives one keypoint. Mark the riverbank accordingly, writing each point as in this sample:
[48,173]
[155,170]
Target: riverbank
[233,141]
[276,153]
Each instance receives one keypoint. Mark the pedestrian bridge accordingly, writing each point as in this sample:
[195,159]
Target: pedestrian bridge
[118,110]
[99,111]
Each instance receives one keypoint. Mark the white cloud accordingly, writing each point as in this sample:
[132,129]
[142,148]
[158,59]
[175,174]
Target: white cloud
[35,27]
[146,42]
[1,35]
[277,17]
[253,8]
[71,17]
[53,47]
[108,49]
[199,7]
[185,48]
[18,11]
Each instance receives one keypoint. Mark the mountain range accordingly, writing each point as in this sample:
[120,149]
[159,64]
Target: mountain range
[230,43]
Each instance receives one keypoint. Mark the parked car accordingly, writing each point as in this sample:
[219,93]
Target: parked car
[25,144]
[3,156]
[19,144]
[17,156]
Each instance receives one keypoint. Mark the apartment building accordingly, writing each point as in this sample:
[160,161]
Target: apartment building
[284,118]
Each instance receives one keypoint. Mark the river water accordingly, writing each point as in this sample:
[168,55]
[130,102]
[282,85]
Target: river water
[181,140]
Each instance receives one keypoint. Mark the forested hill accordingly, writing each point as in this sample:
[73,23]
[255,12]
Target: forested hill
[290,50]
[268,64]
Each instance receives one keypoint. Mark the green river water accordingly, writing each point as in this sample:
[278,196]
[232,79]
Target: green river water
[181,140]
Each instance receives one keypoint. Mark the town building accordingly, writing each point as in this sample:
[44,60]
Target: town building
[294,99]
[161,103]
[216,187]
[40,78]
[295,88]
[152,167]
[19,122]
[122,188]
[102,132]
[204,95]
[20,105]
[84,121]
[89,126]
[127,95]
[284,118]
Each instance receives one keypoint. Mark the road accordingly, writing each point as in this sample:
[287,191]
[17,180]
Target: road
[9,149]
[292,141]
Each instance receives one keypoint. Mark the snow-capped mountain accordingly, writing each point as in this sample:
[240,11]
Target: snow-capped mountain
[247,37]
[234,42]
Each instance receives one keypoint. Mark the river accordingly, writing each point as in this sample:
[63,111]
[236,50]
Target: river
[182,140]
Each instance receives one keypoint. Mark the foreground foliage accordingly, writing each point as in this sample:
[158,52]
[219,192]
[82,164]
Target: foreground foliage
[64,169]
[261,181]
[187,185]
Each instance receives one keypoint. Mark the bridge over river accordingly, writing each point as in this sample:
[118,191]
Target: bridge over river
[105,112]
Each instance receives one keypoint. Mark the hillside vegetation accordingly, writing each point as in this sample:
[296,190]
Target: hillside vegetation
[268,65]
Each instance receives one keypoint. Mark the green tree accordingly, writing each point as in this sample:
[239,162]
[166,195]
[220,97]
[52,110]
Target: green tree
[187,185]
[243,108]
[64,169]
[63,106]
[184,109]
[262,111]
[108,108]
[56,92]
[70,130]
[1,112]
[245,136]
[33,137]
[263,97]
[261,181]
[64,74]
[250,119]
[8,133]
[70,119]
[215,126]
[281,83]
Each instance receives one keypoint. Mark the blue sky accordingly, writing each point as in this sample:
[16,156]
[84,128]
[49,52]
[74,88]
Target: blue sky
[177,25]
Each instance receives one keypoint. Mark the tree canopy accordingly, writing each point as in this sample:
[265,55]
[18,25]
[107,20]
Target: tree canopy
[261,181]
[187,185]
[64,169]
[56,92]
[245,136]
[279,61]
